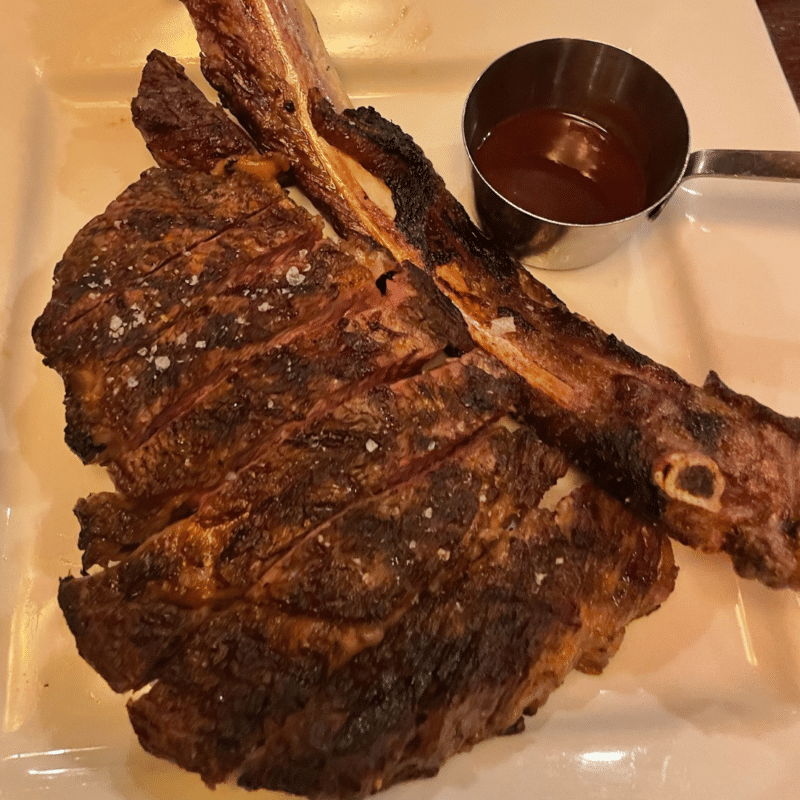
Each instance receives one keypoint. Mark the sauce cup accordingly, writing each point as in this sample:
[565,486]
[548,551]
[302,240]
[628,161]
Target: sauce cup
[588,85]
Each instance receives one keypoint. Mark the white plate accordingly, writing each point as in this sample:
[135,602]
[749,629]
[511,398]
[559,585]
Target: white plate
[703,700]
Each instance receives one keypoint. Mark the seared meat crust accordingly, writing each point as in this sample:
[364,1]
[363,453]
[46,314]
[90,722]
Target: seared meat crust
[556,592]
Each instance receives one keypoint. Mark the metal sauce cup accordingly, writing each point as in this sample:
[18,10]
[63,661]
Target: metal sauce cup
[622,95]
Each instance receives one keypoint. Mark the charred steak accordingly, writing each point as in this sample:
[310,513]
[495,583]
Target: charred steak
[326,555]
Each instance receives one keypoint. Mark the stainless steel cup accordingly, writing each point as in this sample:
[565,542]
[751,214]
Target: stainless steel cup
[620,93]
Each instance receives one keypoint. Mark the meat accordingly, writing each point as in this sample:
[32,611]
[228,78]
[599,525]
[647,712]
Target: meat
[435,683]
[214,332]
[367,651]
[179,126]
[327,558]
[324,512]
[316,468]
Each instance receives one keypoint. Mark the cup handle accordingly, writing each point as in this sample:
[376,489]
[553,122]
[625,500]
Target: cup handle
[772,165]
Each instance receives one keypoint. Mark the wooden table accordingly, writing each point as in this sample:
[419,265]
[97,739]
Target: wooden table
[783,23]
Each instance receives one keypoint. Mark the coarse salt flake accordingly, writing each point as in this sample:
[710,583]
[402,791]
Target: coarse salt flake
[559,560]
[501,325]
[540,576]
[264,306]
[294,277]
[427,513]
[200,344]
[371,446]
[443,554]
[115,323]
[161,362]
[132,382]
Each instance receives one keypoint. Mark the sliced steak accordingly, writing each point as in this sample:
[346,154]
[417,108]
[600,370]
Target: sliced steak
[319,365]
[127,617]
[181,128]
[94,315]
[326,555]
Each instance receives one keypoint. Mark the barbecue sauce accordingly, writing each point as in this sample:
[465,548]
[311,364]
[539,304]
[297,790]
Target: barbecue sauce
[562,167]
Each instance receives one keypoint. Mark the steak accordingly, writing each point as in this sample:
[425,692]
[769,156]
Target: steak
[397,699]
[379,437]
[379,625]
[328,564]
[180,127]
[327,506]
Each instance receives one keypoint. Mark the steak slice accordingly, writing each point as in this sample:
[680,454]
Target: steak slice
[104,309]
[298,378]
[181,128]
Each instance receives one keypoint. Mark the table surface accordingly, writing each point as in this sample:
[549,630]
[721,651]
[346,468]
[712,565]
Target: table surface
[782,18]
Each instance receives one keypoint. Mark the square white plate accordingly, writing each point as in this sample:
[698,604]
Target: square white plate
[703,699]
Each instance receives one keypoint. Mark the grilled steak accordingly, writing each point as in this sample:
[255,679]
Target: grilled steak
[320,493]
[326,554]
[181,129]
[386,702]
[317,467]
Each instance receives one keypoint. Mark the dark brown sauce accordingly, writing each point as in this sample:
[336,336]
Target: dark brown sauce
[562,167]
